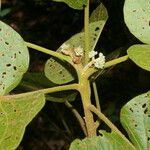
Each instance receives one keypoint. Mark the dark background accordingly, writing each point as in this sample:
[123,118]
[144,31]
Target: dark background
[49,24]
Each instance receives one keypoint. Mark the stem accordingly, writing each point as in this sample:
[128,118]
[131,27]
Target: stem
[85,92]
[60,88]
[77,115]
[63,120]
[109,123]
[47,51]
[86,33]
[96,96]
[97,123]
[116,61]
[108,64]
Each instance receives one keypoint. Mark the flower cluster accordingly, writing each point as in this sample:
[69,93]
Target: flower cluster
[98,62]
[64,47]
[78,51]
[92,54]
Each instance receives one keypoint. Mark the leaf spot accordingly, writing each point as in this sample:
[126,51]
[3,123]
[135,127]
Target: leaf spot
[8,65]
[144,105]
[4,73]
[131,109]
[1,113]
[145,111]
[97,28]
[101,134]
[6,43]
[14,55]
[60,72]
[15,68]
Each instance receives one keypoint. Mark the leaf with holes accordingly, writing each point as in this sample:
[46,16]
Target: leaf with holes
[137,18]
[76,4]
[95,31]
[97,21]
[53,67]
[106,141]
[14,58]
[36,81]
[100,13]
[16,112]
[135,118]
[140,54]
[59,72]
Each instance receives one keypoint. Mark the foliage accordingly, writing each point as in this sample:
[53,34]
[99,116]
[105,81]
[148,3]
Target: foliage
[36,81]
[16,112]
[59,72]
[14,58]
[140,54]
[137,18]
[76,4]
[70,68]
[135,119]
[105,141]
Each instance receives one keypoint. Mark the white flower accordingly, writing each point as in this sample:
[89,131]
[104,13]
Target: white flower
[64,47]
[92,54]
[78,51]
[100,61]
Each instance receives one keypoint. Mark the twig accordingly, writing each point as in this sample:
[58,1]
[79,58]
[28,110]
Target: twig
[96,96]
[110,124]
[47,51]
[86,33]
[78,116]
[90,71]
[60,88]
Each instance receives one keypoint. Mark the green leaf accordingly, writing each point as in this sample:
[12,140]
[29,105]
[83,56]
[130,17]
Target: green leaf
[36,81]
[61,97]
[97,21]
[16,112]
[100,13]
[5,11]
[76,4]
[14,58]
[135,118]
[107,141]
[53,67]
[95,30]
[137,18]
[58,71]
[140,54]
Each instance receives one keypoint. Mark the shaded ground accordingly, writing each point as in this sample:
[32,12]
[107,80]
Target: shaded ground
[49,24]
